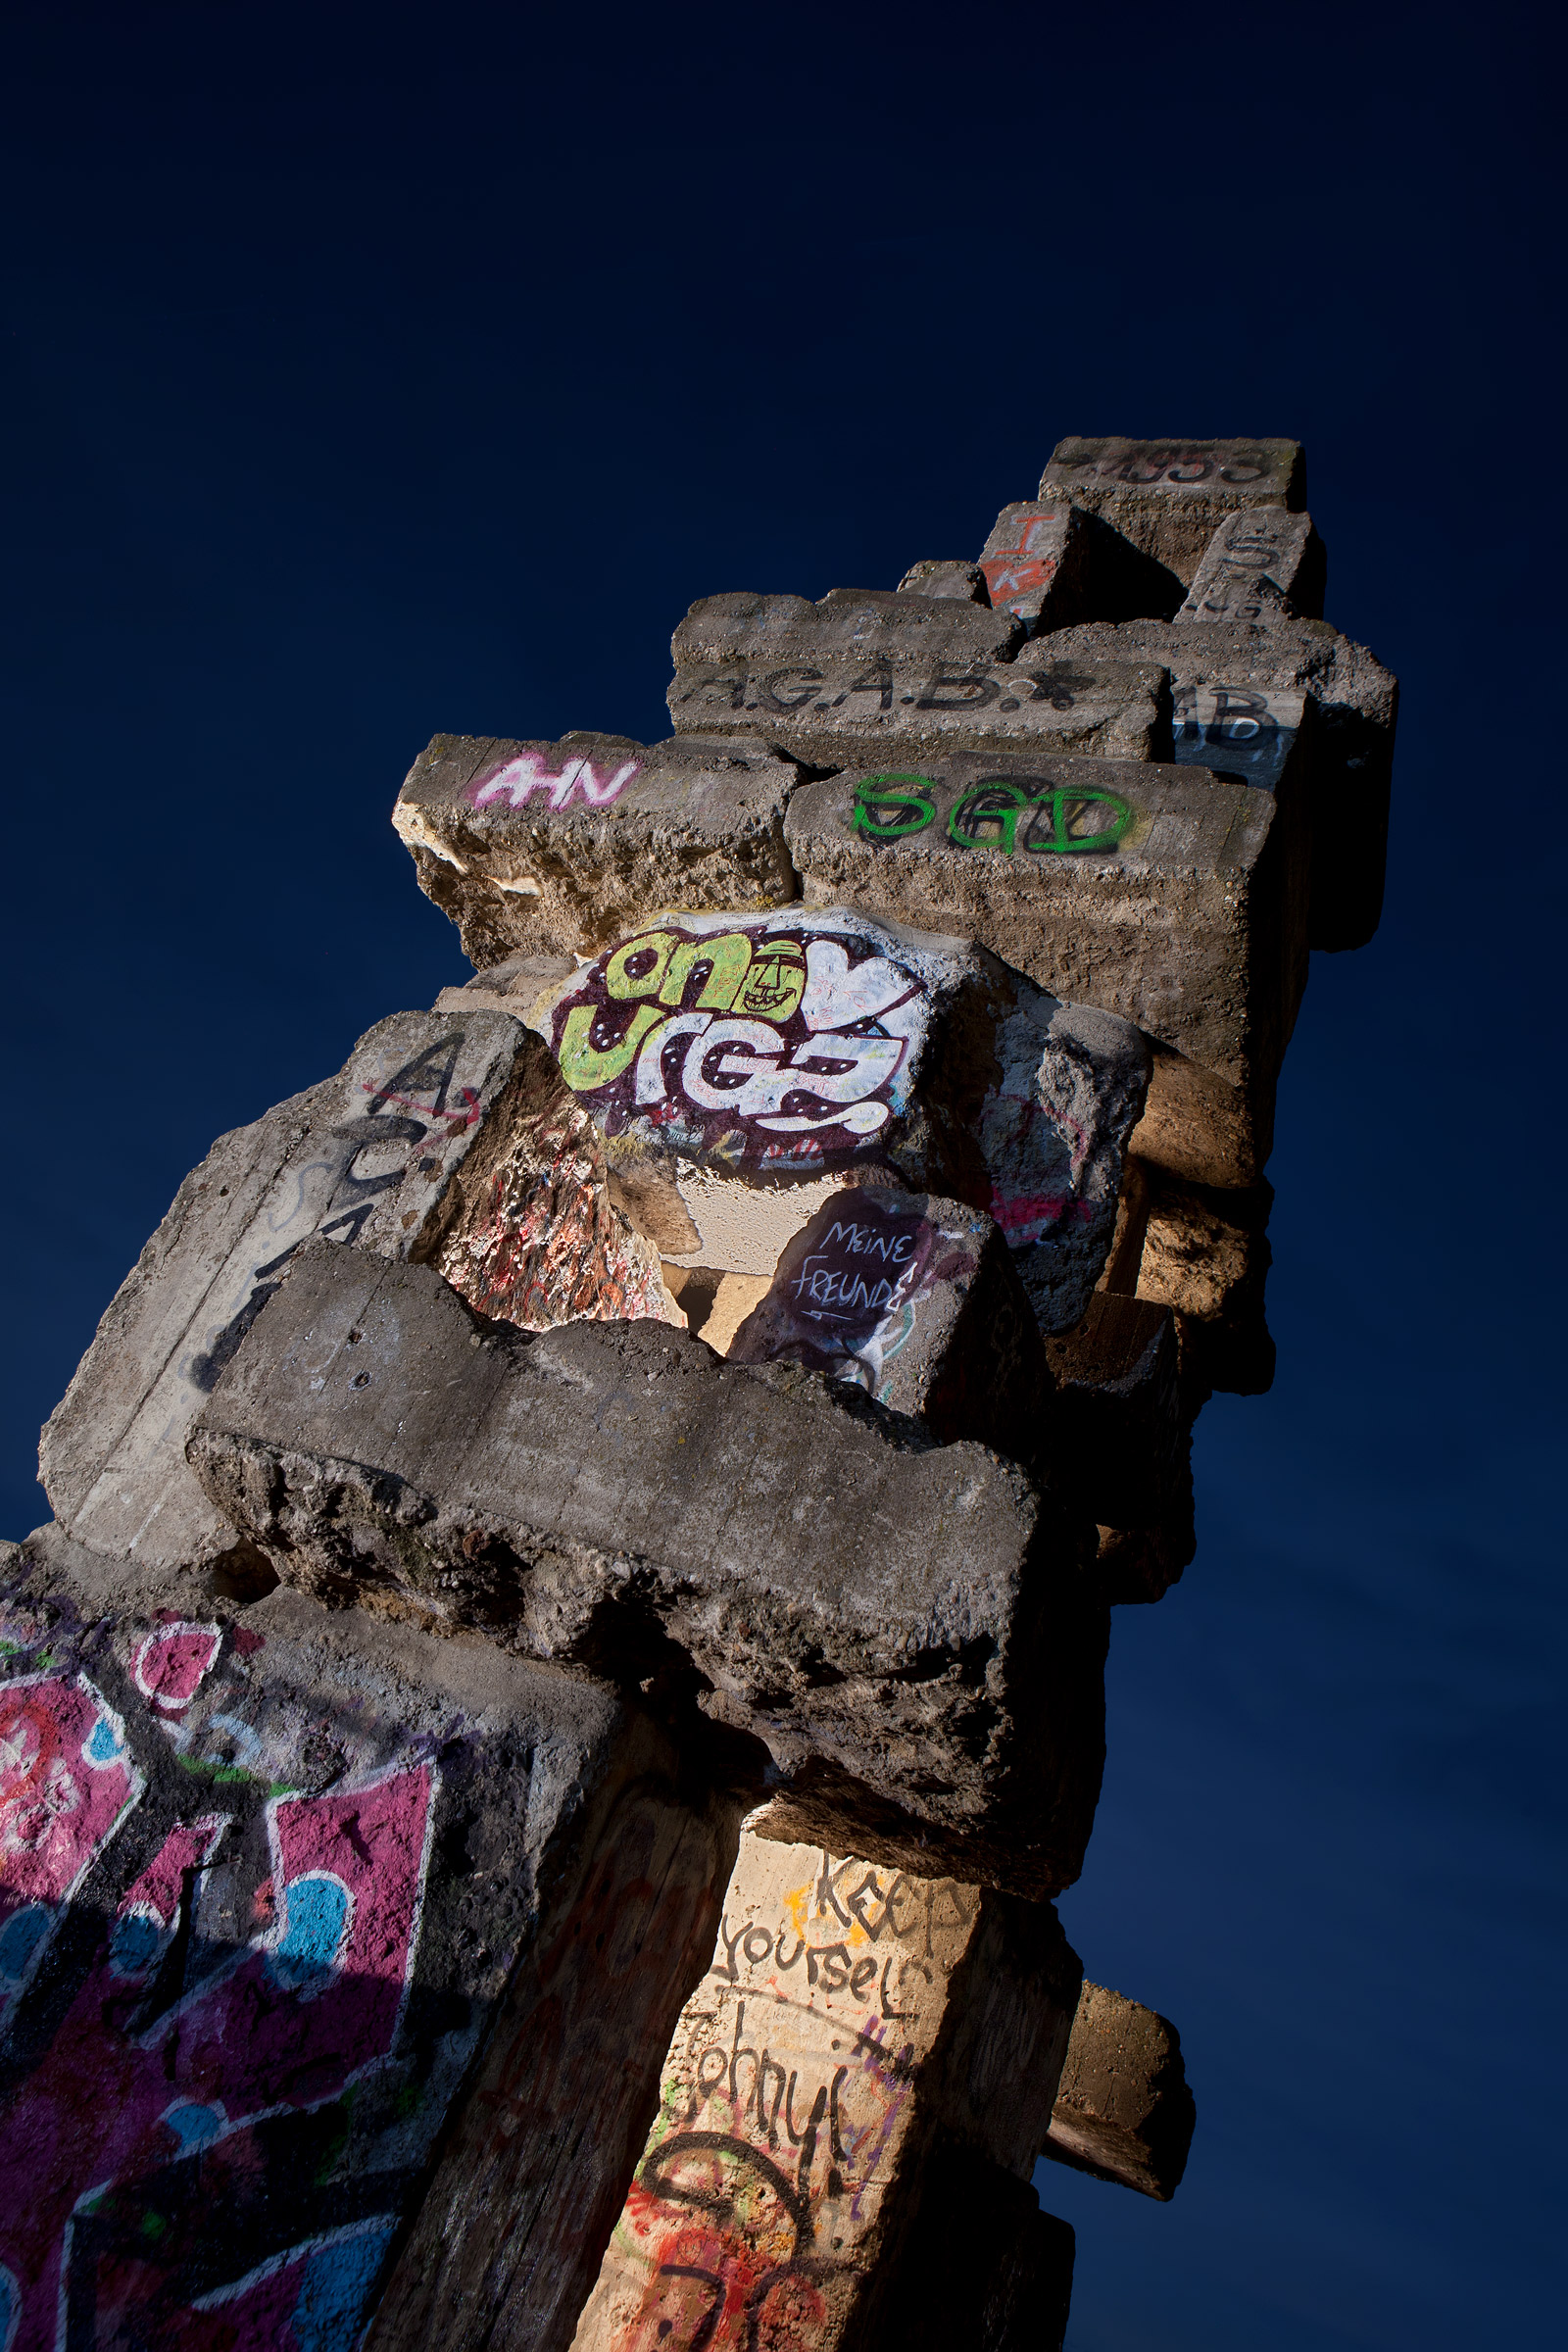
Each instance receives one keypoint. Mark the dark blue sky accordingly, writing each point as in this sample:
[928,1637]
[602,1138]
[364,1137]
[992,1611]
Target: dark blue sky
[375,371]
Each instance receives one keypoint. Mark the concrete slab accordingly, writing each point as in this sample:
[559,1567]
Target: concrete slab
[445,1136]
[553,848]
[904,1629]
[266,1874]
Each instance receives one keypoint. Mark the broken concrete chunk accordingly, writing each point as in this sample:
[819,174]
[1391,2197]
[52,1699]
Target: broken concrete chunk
[1117,1435]
[1225,674]
[543,847]
[914,1300]
[871,673]
[739,1069]
[945,576]
[1206,1257]
[1168,497]
[1123,2110]
[904,1629]
[1034,561]
[1263,564]
[292,1860]
[1158,893]
[804,2091]
[445,1135]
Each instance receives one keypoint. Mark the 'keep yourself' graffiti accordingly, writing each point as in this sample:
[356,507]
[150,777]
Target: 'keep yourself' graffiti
[1006,814]
[765,1047]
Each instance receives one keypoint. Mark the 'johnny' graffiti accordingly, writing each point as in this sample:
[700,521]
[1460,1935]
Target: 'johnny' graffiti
[999,813]
[757,1045]
[517,781]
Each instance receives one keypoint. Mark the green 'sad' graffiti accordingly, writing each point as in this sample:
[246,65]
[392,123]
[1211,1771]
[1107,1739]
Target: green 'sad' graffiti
[1058,820]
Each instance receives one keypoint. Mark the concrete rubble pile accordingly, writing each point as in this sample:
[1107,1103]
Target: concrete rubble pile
[542,1740]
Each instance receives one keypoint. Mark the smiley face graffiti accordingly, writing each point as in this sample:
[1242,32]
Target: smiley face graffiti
[757,1046]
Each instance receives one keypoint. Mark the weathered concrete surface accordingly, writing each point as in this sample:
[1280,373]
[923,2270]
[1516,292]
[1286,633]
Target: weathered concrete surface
[741,1068]
[1118,1434]
[849,2015]
[435,1140]
[543,847]
[875,674]
[1263,564]
[1123,2110]
[909,1632]
[1350,754]
[1168,497]
[1037,564]
[1157,893]
[1206,1257]
[987,2271]
[265,1872]
[946,575]
[914,1300]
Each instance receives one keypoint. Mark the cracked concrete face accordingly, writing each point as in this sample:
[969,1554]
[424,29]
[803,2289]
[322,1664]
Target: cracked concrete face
[882,674]
[849,2015]
[444,1135]
[908,1630]
[292,1861]
[740,1069]
[556,848]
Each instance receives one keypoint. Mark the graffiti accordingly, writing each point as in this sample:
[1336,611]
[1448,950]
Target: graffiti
[517,781]
[1149,466]
[1018,576]
[802,690]
[374,1152]
[845,1295]
[761,1046]
[1057,820]
[66,1783]
[217,2112]
[786,2099]
[547,1246]
[1241,732]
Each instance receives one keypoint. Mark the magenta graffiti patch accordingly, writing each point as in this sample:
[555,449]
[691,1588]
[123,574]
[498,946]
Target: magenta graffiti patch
[65,1784]
[763,1045]
[517,782]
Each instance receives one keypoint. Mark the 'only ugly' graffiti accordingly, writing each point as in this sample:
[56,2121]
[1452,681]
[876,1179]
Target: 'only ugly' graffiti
[764,1047]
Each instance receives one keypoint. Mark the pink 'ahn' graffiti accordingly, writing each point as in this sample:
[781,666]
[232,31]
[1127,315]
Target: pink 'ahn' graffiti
[518,780]
[761,1045]
[210,2131]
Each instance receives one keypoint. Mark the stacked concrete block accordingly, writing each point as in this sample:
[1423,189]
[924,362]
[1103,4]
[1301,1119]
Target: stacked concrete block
[729,1358]
[902,1632]
[550,848]
[871,675]
[266,1873]
[849,2017]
